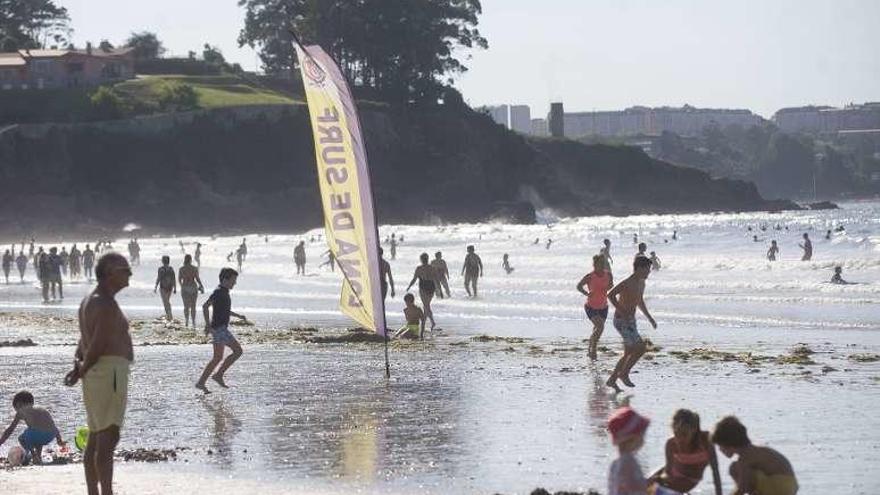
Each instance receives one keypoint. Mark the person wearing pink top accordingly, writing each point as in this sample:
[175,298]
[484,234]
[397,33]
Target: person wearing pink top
[598,282]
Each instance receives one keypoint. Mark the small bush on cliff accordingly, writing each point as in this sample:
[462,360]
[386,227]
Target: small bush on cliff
[105,104]
[178,97]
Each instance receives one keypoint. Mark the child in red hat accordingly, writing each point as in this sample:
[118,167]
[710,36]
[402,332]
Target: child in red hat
[627,429]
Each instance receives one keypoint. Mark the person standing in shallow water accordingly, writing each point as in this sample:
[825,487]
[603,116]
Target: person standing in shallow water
[442,270]
[88,261]
[299,258]
[599,282]
[626,297]
[773,251]
[428,283]
[103,360]
[167,283]
[217,324]
[807,246]
[605,252]
[190,287]
[472,269]
[7,265]
[198,254]
[21,262]
[385,277]
[505,264]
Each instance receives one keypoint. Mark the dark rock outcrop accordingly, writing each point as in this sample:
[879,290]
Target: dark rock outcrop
[253,168]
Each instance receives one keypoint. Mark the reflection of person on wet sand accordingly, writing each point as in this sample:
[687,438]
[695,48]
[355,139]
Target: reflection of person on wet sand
[225,426]
[599,281]
[415,320]
[428,283]
[626,297]
[190,286]
[472,269]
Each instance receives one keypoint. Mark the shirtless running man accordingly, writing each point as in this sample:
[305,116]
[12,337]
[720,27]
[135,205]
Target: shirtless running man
[626,297]
[472,270]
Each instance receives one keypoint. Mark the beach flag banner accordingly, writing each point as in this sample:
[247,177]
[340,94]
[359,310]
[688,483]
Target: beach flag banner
[346,193]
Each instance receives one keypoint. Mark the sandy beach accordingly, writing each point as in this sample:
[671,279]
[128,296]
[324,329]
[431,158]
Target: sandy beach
[503,399]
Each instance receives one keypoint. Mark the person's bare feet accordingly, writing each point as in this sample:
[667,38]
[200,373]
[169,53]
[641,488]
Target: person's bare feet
[219,379]
[612,382]
[626,381]
[203,388]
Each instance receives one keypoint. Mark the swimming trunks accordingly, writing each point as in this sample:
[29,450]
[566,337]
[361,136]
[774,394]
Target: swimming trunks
[411,331]
[105,392]
[427,285]
[628,331]
[221,335]
[32,438]
[777,484]
[603,313]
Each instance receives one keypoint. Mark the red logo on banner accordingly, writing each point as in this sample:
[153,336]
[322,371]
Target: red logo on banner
[313,71]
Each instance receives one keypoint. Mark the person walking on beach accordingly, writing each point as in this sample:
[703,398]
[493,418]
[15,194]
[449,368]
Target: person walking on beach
[54,262]
[599,281]
[21,262]
[642,250]
[472,269]
[88,261]
[167,283]
[626,297]
[385,277]
[773,251]
[7,265]
[442,270]
[428,283]
[103,360]
[331,261]
[807,246]
[299,258]
[217,324]
[190,286]
[63,258]
[393,247]
[242,249]
[75,262]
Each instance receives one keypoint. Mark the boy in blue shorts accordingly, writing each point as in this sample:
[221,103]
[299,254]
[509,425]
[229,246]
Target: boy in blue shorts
[217,324]
[40,431]
[626,297]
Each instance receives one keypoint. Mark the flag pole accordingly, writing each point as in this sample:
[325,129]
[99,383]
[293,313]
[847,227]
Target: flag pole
[375,222]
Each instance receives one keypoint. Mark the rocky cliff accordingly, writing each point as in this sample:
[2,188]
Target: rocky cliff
[252,168]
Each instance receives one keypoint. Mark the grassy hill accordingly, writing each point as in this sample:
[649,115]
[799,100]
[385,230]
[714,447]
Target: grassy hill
[140,96]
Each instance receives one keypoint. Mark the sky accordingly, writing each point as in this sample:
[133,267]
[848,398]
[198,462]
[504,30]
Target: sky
[762,55]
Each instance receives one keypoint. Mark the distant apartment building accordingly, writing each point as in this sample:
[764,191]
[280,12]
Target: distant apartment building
[539,127]
[47,69]
[824,119]
[684,121]
[556,120]
[520,119]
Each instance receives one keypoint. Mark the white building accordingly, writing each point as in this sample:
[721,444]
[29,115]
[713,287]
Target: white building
[520,119]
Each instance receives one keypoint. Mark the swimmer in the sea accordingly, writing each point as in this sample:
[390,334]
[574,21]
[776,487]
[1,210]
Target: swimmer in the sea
[773,251]
[837,278]
[505,264]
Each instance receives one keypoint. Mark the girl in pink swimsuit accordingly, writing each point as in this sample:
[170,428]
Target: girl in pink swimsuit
[688,453]
[599,281]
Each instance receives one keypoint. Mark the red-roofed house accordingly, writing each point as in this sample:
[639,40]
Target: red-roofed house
[42,69]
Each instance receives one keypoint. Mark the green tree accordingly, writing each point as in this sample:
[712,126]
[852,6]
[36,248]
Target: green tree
[105,46]
[403,49]
[146,45]
[106,104]
[177,97]
[32,24]
[212,55]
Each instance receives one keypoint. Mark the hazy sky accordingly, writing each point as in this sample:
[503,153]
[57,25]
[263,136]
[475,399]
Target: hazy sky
[598,55]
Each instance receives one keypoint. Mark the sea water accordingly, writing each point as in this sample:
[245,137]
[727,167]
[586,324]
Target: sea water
[471,417]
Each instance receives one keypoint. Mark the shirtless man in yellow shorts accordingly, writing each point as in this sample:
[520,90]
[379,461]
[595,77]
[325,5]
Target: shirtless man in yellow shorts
[103,357]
